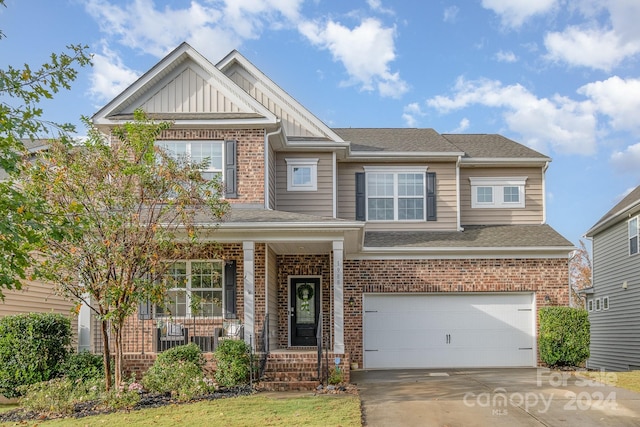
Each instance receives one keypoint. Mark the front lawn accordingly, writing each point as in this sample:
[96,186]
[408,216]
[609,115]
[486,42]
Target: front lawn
[7,407]
[629,380]
[255,410]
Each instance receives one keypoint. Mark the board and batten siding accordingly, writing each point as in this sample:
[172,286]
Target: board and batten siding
[318,202]
[446,199]
[254,88]
[615,332]
[532,213]
[189,93]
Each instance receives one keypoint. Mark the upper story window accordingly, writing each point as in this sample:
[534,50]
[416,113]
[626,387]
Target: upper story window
[396,194]
[302,174]
[634,231]
[194,288]
[501,192]
[209,152]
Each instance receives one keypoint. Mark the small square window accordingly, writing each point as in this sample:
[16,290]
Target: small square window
[302,174]
[511,195]
[590,305]
[485,195]
[605,303]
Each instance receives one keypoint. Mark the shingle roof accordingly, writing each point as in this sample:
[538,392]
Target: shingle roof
[631,199]
[491,146]
[237,215]
[477,236]
[396,140]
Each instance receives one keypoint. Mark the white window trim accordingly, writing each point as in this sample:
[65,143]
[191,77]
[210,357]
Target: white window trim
[312,164]
[188,289]
[636,235]
[605,303]
[396,170]
[590,305]
[598,304]
[498,184]
[188,143]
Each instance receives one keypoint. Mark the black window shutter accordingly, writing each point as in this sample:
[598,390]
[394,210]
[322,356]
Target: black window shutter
[231,179]
[361,201]
[431,196]
[230,290]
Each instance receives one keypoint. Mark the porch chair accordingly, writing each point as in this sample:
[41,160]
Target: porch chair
[233,329]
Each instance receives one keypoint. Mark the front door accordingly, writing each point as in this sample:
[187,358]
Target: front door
[304,300]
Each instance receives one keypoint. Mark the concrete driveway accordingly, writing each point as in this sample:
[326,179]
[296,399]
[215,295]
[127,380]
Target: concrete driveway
[492,397]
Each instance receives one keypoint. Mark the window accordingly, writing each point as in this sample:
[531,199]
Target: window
[302,174]
[207,152]
[590,305]
[633,235]
[194,288]
[502,192]
[598,306]
[605,303]
[395,195]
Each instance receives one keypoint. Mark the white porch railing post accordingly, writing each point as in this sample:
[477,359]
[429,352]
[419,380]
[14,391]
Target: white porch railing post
[338,298]
[249,285]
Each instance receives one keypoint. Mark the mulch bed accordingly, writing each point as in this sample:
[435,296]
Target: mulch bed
[147,401]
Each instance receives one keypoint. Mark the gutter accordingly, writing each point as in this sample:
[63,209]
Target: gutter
[266,165]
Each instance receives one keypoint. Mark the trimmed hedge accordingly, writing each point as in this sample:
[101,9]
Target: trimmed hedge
[232,363]
[564,336]
[33,348]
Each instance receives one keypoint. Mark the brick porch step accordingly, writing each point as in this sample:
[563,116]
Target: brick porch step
[289,371]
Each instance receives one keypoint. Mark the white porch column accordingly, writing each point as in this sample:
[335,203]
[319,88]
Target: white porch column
[249,285]
[338,298]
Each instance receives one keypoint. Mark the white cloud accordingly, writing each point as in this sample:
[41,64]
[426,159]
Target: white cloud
[514,13]
[376,6]
[617,98]
[566,125]
[506,56]
[365,51]
[627,161]
[411,113]
[596,48]
[451,14]
[109,75]
[462,126]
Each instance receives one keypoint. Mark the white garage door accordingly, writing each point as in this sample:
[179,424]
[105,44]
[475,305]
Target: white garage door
[448,331]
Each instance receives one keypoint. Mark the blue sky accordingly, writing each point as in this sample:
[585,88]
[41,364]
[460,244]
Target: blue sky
[561,76]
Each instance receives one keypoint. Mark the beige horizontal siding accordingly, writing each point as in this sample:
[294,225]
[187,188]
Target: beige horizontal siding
[445,197]
[38,297]
[318,202]
[532,213]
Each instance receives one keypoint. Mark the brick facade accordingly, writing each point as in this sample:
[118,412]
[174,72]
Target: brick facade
[545,277]
[250,157]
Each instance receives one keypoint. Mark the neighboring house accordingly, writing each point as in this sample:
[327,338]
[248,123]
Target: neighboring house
[613,299]
[403,248]
[36,296]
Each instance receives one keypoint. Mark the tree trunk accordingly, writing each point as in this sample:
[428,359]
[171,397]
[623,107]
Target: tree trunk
[106,354]
[117,329]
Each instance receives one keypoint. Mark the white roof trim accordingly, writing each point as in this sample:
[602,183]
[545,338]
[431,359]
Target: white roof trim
[157,73]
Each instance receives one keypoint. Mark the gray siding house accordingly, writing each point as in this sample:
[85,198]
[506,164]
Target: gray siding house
[614,300]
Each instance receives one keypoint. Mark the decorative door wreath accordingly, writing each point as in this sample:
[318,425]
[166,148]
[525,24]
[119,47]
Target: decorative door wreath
[305,293]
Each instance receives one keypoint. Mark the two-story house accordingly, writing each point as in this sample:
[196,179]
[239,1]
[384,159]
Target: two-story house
[612,301]
[402,248]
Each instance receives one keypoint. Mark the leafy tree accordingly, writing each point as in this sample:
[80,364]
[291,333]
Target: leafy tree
[21,90]
[579,272]
[112,214]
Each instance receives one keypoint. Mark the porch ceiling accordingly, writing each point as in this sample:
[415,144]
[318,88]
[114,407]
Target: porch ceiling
[301,248]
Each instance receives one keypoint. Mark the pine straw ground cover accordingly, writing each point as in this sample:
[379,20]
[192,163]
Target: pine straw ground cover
[245,410]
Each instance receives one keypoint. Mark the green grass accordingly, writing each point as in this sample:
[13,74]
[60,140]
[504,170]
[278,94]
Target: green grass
[256,410]
[629,380]
[7,407]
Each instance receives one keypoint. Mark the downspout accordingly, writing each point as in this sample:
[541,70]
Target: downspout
[458,193]
[544,192]
[266,165]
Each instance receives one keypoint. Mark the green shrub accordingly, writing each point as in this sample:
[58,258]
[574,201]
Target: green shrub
[564,336]
[178,371]
[84,366]
[335,376]
[32,349]
[182,353]
[58,395]
[232,363]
